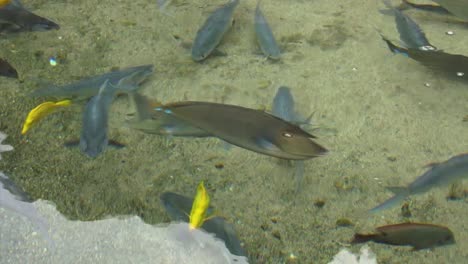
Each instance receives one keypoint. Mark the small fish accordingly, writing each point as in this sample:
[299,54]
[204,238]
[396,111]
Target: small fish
[419,236]
[283,107]
[94,138]
[42,111]
[265,37]
[211,33]
[155,122]
[439,174]
[15,18]
[248,128]
[199,207]
[178,208]
[410,33]
[125,81]
[15,199]
[7,70]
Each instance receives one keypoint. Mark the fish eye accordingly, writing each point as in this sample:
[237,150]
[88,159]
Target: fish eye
[288,135]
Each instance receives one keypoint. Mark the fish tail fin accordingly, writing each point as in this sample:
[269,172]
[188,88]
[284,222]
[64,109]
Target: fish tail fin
[361,238]
[143,105]
[394,48]
[400,194]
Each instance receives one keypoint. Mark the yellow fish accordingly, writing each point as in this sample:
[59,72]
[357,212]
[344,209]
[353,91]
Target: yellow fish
[40,112]
[199,207]
[4,2]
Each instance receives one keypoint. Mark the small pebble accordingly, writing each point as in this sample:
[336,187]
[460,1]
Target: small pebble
[450,33]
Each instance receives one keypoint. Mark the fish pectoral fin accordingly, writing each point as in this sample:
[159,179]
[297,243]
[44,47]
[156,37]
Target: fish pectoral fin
[396,189]
[115,144]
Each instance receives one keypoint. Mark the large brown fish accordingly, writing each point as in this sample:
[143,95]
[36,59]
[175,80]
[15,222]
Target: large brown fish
[251,129]
[420,236]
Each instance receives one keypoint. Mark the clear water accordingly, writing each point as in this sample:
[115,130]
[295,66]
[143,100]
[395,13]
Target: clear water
[382,116]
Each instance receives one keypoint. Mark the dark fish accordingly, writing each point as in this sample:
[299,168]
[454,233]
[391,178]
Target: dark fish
[439,174]
[419,236]
[459,8]
[155,122]
[248,128]
[15,18]
[453,66]
[14,189]
[178,207]
[7,70]
[426,7]
[124,81]
[265,37]
[410,33]
[211,33]
[94,138]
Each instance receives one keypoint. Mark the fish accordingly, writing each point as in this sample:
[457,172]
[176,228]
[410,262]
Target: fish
[265,37]
[212,31]
[42,111]
[4,3]
[7,70]
[199,207]
[154,122]
[178,207]
[248,128]
[458,8]
[426,7]
[283,107]
[15,18]
[124,81]
[453,66]
[418,235]
[410,32]
[439,174]
[13,198]
[94,138]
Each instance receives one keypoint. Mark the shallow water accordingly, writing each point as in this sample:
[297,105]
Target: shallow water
[382,116]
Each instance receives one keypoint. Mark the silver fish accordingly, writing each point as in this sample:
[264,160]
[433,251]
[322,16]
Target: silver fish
[125,81]
[439,174]
[265,37]
[283,107]
[210,34]
[94,138]
[410,33]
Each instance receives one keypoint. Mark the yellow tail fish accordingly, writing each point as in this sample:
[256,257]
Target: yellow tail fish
[4,2]
[199,207]
[40,112]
